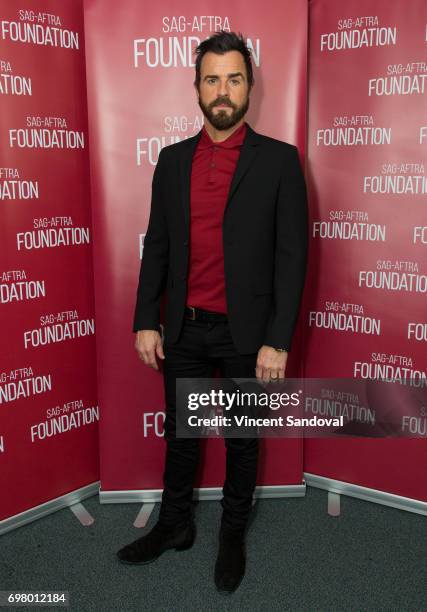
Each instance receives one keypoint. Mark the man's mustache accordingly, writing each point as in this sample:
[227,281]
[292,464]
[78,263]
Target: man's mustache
[224,101]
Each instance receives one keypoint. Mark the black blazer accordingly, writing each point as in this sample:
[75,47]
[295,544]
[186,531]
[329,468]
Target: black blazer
[264,241]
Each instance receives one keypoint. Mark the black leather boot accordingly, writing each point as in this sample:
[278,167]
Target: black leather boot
[231,561]
[148,548]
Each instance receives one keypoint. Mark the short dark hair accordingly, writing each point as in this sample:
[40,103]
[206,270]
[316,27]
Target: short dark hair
[221,42]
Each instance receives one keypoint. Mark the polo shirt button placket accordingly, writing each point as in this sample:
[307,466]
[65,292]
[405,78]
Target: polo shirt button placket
[212,166]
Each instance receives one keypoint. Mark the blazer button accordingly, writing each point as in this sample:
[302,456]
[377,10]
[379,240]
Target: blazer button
[186,243]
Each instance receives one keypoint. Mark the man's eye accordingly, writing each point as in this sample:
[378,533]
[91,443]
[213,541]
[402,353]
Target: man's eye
[210,81]
[235,81]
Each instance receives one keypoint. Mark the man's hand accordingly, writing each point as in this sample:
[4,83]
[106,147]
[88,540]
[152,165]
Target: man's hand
[271,364]
[149,344]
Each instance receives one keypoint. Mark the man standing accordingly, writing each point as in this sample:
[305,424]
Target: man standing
[227,239]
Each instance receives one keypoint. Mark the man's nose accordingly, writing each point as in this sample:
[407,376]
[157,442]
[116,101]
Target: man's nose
[223,88]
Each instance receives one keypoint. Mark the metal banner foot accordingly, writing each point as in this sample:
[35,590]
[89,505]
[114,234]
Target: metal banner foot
[143,515]
[82,514]
[334,504]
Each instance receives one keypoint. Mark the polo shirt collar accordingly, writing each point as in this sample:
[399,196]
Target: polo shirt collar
[234,140]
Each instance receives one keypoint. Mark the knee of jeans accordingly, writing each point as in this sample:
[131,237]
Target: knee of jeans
[182,444]
[170,433]
[176,426]
[242,444]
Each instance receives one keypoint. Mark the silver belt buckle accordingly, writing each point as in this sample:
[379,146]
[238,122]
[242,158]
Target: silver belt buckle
[193,313]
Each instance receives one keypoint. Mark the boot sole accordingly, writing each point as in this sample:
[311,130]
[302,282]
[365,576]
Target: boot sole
[227,592]
[176,548]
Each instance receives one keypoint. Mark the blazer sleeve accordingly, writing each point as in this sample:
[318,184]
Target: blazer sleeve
[154,264]
[290,253]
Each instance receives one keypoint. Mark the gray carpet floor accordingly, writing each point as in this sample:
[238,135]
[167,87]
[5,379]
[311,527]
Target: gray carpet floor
[299,558]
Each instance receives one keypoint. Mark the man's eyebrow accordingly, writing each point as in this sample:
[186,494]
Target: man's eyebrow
[230,75]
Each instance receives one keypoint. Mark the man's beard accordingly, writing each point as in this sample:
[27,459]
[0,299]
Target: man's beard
[222,120]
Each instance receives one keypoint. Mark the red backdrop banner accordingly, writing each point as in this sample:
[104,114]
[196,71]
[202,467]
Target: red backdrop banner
[48,405]
[140,76]
[365,304]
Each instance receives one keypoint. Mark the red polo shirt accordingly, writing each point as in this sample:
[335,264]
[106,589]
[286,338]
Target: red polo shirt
[214,164]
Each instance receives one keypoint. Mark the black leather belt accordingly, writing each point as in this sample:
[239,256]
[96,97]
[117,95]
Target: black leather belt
[197,314]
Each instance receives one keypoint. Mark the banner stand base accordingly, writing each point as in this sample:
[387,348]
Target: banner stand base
[82,514]
[69,499]
[144,515]
[334,504]
[204,494]
[371,495]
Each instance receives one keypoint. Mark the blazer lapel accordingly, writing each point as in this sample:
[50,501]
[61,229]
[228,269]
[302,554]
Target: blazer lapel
[185,174]
[247,155]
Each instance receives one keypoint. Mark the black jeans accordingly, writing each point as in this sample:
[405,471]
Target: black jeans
[201,348]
